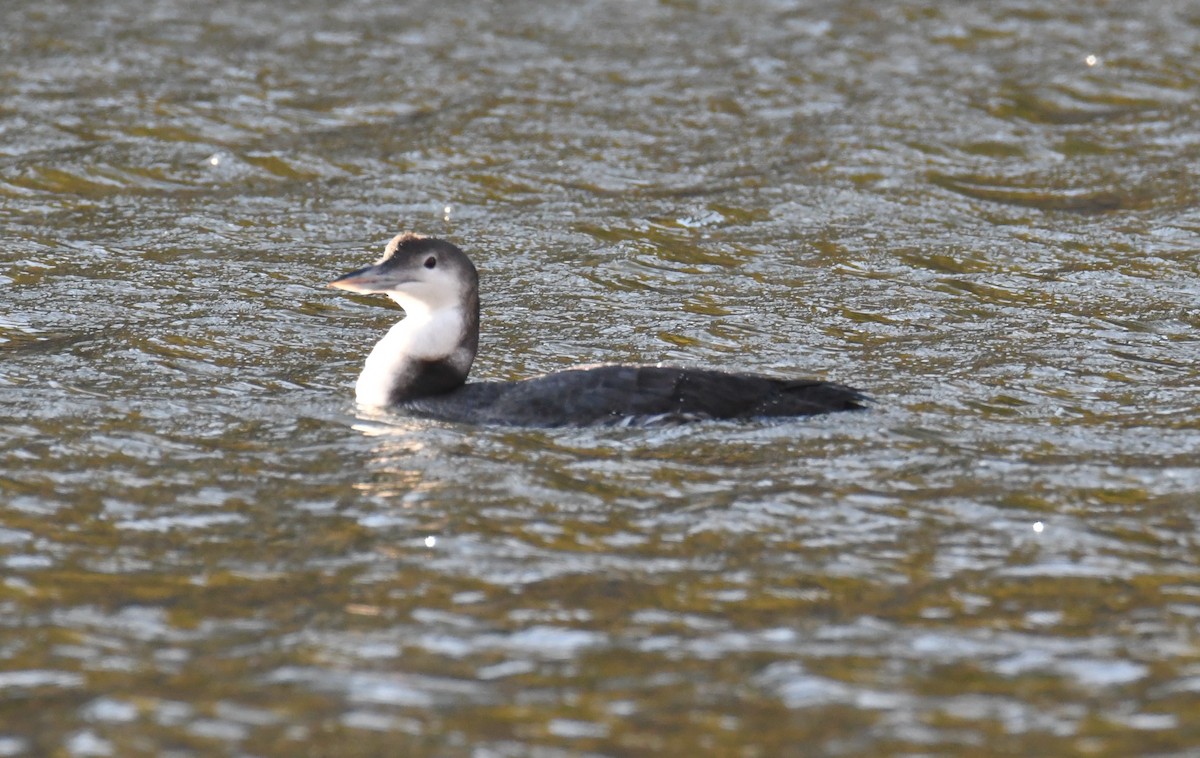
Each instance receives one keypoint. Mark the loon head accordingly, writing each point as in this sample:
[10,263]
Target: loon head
[422,274]
[431,350]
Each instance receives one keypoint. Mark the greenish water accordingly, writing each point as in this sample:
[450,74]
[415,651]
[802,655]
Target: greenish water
[983,214]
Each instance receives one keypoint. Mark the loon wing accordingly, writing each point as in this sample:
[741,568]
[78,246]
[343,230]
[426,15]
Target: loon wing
[635,395]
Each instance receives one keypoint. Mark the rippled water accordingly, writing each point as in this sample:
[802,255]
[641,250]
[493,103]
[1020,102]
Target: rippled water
[985,214]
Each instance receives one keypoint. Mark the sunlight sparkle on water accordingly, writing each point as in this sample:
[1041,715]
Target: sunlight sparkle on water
[430,541]
[1038,526]
[1091,60]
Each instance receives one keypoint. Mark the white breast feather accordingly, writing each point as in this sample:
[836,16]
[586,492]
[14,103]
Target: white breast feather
[421,336]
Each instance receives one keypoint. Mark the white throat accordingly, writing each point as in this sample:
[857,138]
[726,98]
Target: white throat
[424,335]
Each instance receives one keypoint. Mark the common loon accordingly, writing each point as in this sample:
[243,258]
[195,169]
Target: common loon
[421,365]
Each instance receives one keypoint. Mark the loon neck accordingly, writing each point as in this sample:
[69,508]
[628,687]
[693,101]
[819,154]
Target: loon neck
[427,353]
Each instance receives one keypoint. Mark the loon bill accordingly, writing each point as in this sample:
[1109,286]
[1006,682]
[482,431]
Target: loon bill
[421,364]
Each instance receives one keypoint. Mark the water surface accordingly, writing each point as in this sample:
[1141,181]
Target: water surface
[983,214]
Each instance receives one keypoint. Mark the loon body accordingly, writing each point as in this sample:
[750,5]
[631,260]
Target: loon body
[421,365]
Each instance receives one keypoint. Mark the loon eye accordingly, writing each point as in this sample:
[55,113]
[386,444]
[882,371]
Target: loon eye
[430,262]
